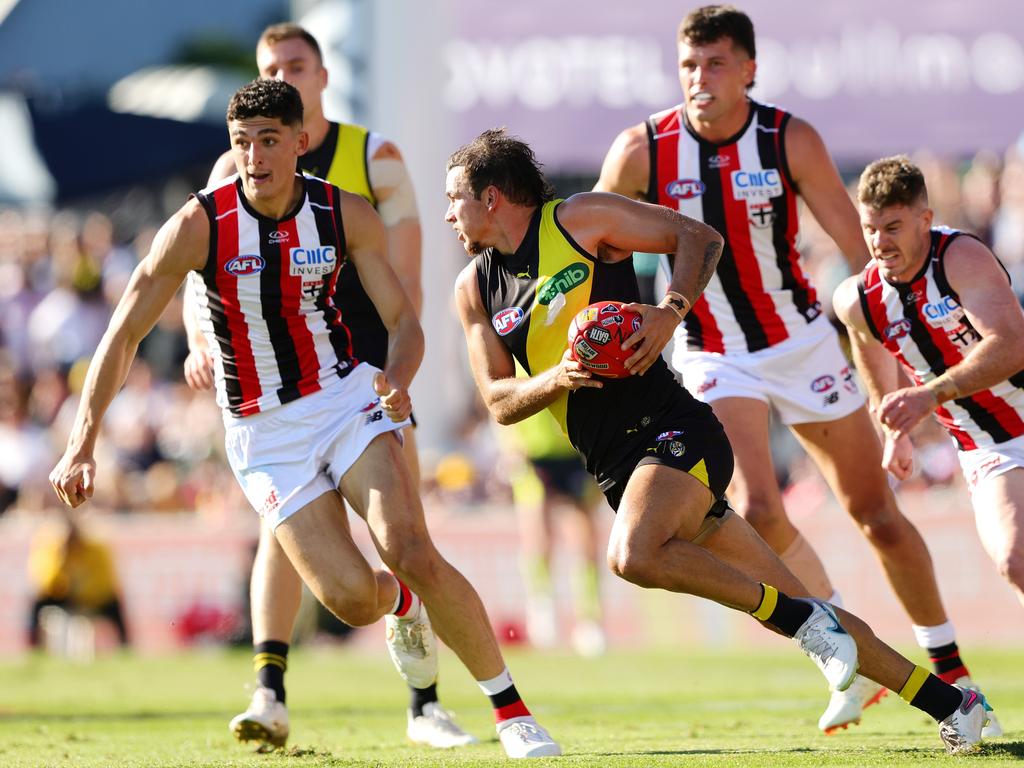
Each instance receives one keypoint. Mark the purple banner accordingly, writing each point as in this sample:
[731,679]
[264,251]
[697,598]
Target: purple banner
[874,77]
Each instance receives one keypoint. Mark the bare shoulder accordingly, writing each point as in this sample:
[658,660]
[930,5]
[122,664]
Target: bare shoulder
[183,242]
[467,292]
[355,208]
[803,143]
[387,150]
[846,301]
[626,168]
[968,261]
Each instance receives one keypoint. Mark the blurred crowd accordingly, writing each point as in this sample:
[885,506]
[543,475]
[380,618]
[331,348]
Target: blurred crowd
[62,272]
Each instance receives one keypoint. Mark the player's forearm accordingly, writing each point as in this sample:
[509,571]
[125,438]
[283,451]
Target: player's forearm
[106,375]
[988,364]
[404,249]
[405,350]
[696,258]
[513,399]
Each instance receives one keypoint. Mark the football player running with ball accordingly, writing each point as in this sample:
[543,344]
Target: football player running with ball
[660,456]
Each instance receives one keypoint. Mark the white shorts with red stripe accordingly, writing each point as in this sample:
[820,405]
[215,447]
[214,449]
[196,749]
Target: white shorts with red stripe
[288,456]
[989,462]
[807,378]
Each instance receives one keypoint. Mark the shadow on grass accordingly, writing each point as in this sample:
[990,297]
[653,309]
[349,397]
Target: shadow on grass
[142,715]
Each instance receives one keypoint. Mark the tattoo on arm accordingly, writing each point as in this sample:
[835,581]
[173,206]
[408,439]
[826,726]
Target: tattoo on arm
[712,252]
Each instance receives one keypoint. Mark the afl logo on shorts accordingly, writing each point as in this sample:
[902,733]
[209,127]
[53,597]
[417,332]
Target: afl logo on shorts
[823,383]
[896,330]
[685,189]
[507,320]
[246,264]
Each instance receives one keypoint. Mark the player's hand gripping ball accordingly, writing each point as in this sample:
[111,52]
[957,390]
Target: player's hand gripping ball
[596,335]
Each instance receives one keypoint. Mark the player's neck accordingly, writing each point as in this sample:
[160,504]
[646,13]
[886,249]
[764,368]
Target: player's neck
[723,127]
[513,226]
[279,206]
[317,127]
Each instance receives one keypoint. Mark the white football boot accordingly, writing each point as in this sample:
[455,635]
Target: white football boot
[993,729]
[412,646]
[828,645]
[845,707]
[265,720]
[523,737]
[437,728]
[961,731]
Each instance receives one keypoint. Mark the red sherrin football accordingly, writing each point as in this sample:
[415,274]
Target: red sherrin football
[596,335]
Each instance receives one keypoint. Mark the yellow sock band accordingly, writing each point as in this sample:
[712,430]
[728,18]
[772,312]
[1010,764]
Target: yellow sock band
[768,603]
[914,682]
[261,660]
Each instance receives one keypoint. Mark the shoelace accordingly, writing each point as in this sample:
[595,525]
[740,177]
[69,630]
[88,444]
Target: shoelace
[817,642]
[527,732]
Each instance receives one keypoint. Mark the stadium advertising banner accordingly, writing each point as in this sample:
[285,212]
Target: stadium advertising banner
[877,77]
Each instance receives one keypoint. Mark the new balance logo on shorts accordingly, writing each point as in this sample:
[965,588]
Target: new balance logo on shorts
[375,416]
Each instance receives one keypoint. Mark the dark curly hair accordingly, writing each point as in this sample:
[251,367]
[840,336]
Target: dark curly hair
[267,98]
[494,158]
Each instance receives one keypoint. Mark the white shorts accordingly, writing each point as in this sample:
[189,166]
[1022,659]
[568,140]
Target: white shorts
[287,457]
[985,463]
[807,378]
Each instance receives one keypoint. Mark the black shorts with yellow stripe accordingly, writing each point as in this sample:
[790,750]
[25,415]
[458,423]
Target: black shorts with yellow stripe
[690,441]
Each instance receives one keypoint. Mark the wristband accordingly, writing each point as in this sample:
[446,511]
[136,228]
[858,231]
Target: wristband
[677,303]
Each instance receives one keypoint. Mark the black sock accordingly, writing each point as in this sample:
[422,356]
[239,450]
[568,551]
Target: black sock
[781,611]
[929,694]
[947,664]
[420,696]
[270,659]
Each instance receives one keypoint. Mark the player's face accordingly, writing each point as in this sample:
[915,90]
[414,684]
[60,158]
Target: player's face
[293,61]
[714,78]
[466,213]
[265,152]
[897,237]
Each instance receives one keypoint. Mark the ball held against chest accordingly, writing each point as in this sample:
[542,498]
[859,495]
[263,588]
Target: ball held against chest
[596,335]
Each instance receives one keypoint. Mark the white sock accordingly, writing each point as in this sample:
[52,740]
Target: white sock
[413,609]
[935,637]
[497,684]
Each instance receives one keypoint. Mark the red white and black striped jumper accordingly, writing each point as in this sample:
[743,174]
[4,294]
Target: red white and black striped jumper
[923,325]
[759,295]
[266,302]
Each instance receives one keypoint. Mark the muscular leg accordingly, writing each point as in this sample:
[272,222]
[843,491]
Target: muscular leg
[379,488]
[650,546]
[999,515]
[850,456]
[275,591]
[319,545]
[754,491]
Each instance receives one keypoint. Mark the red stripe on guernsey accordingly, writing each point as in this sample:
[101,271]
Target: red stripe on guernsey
[792,216]
[737,233]
[516,709]
[291,298]
[1002,412]
[225,199]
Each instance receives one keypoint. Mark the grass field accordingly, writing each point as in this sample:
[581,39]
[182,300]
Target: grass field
[627,709]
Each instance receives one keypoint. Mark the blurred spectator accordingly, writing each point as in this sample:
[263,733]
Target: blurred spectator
[24,446]
[74,572]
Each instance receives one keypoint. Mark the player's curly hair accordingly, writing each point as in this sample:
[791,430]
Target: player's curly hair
[892,181]
[267,98]
[494,158]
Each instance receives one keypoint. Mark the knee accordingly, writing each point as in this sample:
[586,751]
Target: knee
[760,511]
[356,604]
[881,521]
[1011,567]
[630,562]
[415,562]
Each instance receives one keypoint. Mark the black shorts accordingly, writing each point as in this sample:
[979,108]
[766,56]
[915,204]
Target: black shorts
[692,441]
[565,475]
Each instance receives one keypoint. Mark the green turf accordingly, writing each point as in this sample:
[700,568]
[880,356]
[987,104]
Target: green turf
[627,709]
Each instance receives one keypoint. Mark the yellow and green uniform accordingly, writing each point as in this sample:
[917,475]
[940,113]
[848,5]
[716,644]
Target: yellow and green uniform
[531,297]
[342,159]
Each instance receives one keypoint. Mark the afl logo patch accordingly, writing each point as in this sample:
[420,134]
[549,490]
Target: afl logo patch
[823,383]
[246,264]
[685,189]
[507,320]
[896,330]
